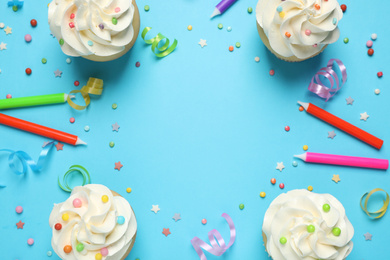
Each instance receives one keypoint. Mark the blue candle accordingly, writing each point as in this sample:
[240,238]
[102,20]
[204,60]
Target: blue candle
[222,6]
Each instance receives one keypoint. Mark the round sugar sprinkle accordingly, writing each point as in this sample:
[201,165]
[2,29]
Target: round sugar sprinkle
[30,241]
[336,231]
[262,194]
[28,71]
[28,38]
[273,180]
[2,25]
[220,26]
[128,190]
[72,120]
[114,106]
[310,188]
[90,43]
[343,8]
[120,220]
[257,59]
[346,40]
[369,43]
[147,8]
[112,144]
[76,83]
[281,185]
[380,74]
[8,96]
[68,60]
[305,147]
[286,128]
[204,221]
[49,253]
[62,42]
[374,36]
[294,163]
[241,206]
[370,52]
[189,27]
[19,209]
[44,60]
[377,91]
[271,72]
[114,21]
[311,228]
[238,45]
[86,128]
[250,10]
[117,9]
[326,207]
[231,48]
[137,64]
[229,29]
[283,240]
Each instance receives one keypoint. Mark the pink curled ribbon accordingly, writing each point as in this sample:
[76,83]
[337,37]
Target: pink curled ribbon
[316,86]
[218,246]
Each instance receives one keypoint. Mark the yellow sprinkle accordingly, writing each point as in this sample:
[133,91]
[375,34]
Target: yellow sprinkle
[104,198]
[98,256]
[262,194]
[305,147]
[189,27]
[282,14]
[128,190]
[310,188]
[65,217]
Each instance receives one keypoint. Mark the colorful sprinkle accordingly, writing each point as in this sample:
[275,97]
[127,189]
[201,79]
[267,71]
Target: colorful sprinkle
[295,163]
[262,194]
[377,91]
[98,256]
[114,21]
[271,72]
[120,220]
[49,253]
[72,120]
[283,240]
[189,27]
[204,221]
[58,226]
[257,59]
[28,71]
[288,35]
[80,247]
[77,203]
[147,8]
[336,231]
[286,128]
[67,249]
[315,45]
[101,26]
[104,251]
[62,42]
[28,38]
[86,128]
[128,190]
[105,198]
[111,144]
[90,43]
[374,36]
[30,241]
[19,209]
[273,180]
[301,108]
[282,14]
[117,9]
[231,48]
[241,206]
[326,207]
[44,61]
[369,43]
[220,26]
[346,40]
[308,32]
[281,185]
[380,74]
[229,29]
[317,6]
[72,16]
[34,23]
[279,9]
[370,52]
[311,228]
[310,188]
[65,217]
[334,21]
[8,96]
[238,45]
[250,10]
[137,64]
[343,8]
[68,60]
[305,147]
[71,25]
[76,83]
[114,106]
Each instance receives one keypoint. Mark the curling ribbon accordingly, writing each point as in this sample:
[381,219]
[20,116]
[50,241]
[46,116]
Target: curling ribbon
[164,50]
[380,212]
[316,86]
[74,169]
[94,86]
[218,246]
[26,160]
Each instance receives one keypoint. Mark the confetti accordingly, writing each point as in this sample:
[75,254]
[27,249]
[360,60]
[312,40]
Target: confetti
[162,51]
[20,224]
[349,101]
[279,166]
[166,232]
[336,178]
[3,46]
[364,116]
[8,30]
[118,166]
[59,146]
[176,217]
[380,74]
[19,209]
[68,60]
[204,221]
[111,144]
[294,163]
[202,43]
[147,8]
[241,206]
[367,236]
[155,208]
[58,73]
[115,127]
[346,40]
[74,169]
[33,23]
[331,134]
[364,204]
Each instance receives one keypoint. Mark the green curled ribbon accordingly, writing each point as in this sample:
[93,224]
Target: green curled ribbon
[94,86]
[74,169]
[162,51]
[380,212]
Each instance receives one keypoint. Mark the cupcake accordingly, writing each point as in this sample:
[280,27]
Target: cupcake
[296,30]
[98,30]
[304,225]
[93,223]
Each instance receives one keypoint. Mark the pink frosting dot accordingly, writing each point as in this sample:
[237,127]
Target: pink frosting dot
[77,203]
[369,43]
[308,32]
[117,9]
[104,251]
[27,38]
[19,209]
[8,96]
[30,241]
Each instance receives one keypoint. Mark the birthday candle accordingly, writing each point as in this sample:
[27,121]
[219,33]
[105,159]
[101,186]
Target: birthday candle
[342,125]
[33,101]
[362,162]
[40,130]
[222,6]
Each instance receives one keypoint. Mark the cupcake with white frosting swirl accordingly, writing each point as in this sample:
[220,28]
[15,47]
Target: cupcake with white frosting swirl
[93,223]
[302,225]
[98,30]
[296,30]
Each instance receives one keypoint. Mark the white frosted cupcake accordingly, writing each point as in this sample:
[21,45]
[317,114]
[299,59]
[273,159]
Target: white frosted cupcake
[93,223]
[98,30]
[302,225]
[296,30]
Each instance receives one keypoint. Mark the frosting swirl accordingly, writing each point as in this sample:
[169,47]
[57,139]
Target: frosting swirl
[303,225]
[94,224]
[92,27]
[299,28]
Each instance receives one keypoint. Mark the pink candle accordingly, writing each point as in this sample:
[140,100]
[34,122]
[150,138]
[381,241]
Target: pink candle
[362,162]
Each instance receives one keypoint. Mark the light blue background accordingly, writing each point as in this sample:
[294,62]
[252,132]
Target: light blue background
[201,130]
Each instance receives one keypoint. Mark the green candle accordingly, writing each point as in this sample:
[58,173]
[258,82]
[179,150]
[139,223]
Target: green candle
[33,101]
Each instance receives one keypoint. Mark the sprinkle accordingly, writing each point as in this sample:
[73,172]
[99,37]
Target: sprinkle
[279,166]
[231,48]
[72,16]
[301,108]
[118,166]
[317,6]
[294,163]
[111,144]
[326,207]
[19,209]
[281,185]
[257,59]
[8,96]
[279,9]
[67,249]
[58,226]
[72,120]
[346,40]
[49,253]
[115,127]
[155,209]
[176,217]
[117,9]
[331,134]
[220,26]
[308,32]
[8,30]
[271,72]
[166,232]
[128,190]
[189,27]
[28,71]
[241,206]
[283,240]
[98,256]
[273,180]
[305,147]
[68,60]
[315,45]
[204,221]
[120,220]
[367,236]
[101,26]
[262,194]
[380,74]
[202,43]
[114,106]
[30,241]
[343,8]
[20,224]
[76,83]
[238,45]
[104,251]
[44,60]
[336,178]
[104,198]
[369,43]
[374,36]
[336,231]
[62,42]
[86,128]
[364,116]
[80,247]
[229,29]
[250,10]
[349,101]
[2,25]
[90,43]
[377,91]
[28,38]
[286,128]
[71,25]
[114,21]
[147,8]
[311,228]
[334,21]
[58,73]
[310,188]
[65,217]
[282,14]
[137,64]
[77,203]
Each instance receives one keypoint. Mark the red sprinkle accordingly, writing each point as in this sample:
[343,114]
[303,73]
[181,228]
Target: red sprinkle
[8,96]
[370,52]
[137,64]
[58,226]
[33,23]
[71,24]
[301,108]
[72,16]
[76,83]
[273,180]
[288,35]
[231,48]
[380,74]
[317,6]
[28,71]
[343,8]
[287,128]
[281,185]
[72,120]
[271,72]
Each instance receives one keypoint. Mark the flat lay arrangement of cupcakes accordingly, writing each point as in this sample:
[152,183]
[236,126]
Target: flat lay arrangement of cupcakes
[226,129]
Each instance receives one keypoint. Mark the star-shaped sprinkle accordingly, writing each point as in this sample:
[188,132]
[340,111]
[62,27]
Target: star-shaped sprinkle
[8,30]
[367,236]
[166,231]
[155,208]
[118,166]
[59,146]
[3,46]
[45,143]
[115,127]
[176,217]
[202,43]
[279,166]
[20,224]
[364,116]
[349,101]
[58,73]
[331,134]
[336,178]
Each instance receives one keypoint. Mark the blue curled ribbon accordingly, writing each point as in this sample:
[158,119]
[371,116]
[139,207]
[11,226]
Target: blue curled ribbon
[26,160]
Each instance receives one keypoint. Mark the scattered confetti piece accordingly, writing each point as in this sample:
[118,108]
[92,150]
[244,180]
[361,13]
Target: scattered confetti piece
[68,60]
[137,64]
[229,29]
[367,236]
[336,178]
[166,232]
[343,8]
[294,163]
[118,166]
[176,217]
[281,185]
[33,23]
[346,40]
[115,127]
[58,73]
[3,46]
[310,188]
[369,44]
[370,52]
[220,26]
[238,45]
[76,83]
[202,43]
[286,128]
[28,38]
[331,134]
[74,169]
[128,190]
[86,128]
[271,72]
[380,74]
[349,101]
[301,108]
[72,120]
[59,146]
[305,147]
[231,48]
[377,91]
[30,241]
[241,206]
[364,116]
[49,253]
[273,180]
[162,51]
[147,8]
[250,10]
[257,59]
[8,30]
[20,224]
[44,61]
[204,221]
[374,36]
[28,71]
[262,194]
[2,25]
[279,166]
[114,106]
[155,208]
[189,27]
[111,144]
